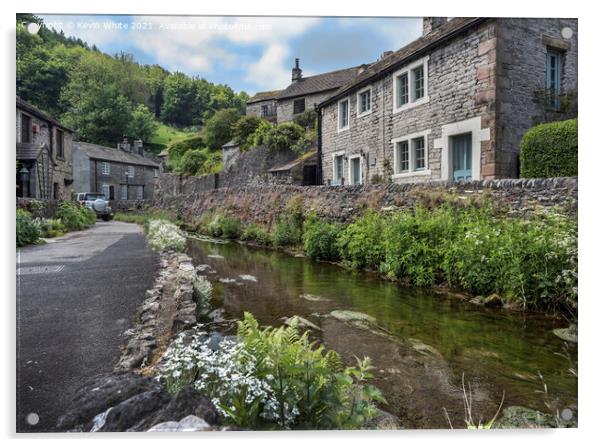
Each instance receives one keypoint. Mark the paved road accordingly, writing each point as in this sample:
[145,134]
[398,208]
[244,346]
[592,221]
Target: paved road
[70,321]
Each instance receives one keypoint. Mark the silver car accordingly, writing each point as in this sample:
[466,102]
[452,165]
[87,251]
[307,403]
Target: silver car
[97,202]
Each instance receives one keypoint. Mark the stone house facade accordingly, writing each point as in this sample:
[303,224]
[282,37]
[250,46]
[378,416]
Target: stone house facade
[303,94]
[44,153]
[452,105]
[124,173]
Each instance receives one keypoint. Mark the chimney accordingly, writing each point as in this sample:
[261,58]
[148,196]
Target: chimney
[124,145]
[138,147]
[385,54]
[297,72]
[432,23]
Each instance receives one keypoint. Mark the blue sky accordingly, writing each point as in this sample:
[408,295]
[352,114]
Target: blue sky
[247,53]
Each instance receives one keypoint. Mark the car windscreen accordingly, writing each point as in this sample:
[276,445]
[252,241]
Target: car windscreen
[95,196]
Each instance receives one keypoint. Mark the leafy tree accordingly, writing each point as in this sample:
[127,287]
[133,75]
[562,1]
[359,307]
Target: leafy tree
[142,124]
[219,128]
[192,161]
[284,136]
[178,99]
[244,130]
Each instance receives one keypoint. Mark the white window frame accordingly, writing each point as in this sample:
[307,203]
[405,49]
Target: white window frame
[130,171]
[122,189]
[106,168]
[339,127]
[334,164]
[350,164]
[106,190]
[412,172]
[409,71]
[139,192]
[359,102]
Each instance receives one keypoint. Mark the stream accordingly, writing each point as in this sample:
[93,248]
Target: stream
[421,343]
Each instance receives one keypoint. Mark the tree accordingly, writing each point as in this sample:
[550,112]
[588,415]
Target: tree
[244,130]
[219,128]
[192,161]
[178,99]
[142,124]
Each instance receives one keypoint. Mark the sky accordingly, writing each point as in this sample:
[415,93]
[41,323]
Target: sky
[247,53]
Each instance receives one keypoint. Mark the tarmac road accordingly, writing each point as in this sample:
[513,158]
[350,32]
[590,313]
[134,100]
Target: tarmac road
[76,296]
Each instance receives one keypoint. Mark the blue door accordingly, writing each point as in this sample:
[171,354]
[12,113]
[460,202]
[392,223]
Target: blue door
[462,157]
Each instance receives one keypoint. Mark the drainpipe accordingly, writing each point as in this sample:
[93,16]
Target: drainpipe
[319,155]
[95,176]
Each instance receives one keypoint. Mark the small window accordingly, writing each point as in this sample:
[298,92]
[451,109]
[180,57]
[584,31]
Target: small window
[25,128]
[344,114]
[418,78]
[130,171]
[338,169]
[403,157]
[299,105]
[264,110]
[402,88]
[419,153]
[140,192]
[106,190]
[60,143]
[363,102]
[553,78]
[124,192]
[106,168]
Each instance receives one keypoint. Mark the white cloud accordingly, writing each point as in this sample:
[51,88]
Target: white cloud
[270,71]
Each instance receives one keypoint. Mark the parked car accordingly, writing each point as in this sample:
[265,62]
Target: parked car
[97,202]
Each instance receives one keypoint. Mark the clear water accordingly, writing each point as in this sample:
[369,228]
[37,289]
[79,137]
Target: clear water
[421,344]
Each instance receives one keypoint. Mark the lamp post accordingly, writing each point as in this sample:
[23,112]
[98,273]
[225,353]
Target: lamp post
[24,179]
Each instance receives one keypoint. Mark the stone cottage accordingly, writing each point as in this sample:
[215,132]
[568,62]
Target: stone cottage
[451,105]
[44,154]
[263,105]
[124,173]
[304,93]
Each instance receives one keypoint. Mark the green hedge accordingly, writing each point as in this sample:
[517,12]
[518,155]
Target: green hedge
[550,150]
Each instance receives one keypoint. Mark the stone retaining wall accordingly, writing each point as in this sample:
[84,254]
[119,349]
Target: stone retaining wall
[262,204]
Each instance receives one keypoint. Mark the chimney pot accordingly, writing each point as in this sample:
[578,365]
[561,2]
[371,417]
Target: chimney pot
[297,73]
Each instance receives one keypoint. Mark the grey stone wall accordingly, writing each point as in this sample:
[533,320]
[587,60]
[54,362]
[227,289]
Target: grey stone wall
[143,176]
[457,91]
[254,109]
[285,106]
[521,72]
[262,204]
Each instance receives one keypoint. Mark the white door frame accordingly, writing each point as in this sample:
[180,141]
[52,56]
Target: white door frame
[352,157]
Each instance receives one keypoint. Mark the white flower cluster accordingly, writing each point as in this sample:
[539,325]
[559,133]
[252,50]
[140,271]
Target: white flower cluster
[164,235]
[225,375]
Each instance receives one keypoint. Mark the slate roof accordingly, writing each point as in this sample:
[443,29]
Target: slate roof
[320,83]
[28,151]
[264,96]
[98,152]
[24,105]
[309,156]
[405,54]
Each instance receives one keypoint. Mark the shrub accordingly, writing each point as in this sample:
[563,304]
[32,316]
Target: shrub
[27,232]
[361,243]
[257,234]
[74,216]
[258,138]
[244,130]
[164,235]
[308,119]
[177,149]
[218,129]
[273,376]
[283,136]
[214,226]
[550,150]
[230,227]
[192,161]
[320,239]
[288,229]
[50,227]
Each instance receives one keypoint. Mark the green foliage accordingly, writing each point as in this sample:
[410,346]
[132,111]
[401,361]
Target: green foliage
[257,234]
[320,239]
[218,129]
[258,138]
[27,232]
[550,150]
[192,161]
[361,243]
[219,225]
[178,148]
[230,227]
[308,119]
[143,124]
[283,136]
[244,130]
[50,227]
[74,216]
